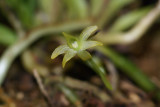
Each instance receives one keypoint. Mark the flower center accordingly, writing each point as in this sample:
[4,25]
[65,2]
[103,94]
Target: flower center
[75,44]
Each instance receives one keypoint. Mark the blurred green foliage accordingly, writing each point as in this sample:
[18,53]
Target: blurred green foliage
[77,8]
[128,20]
[111,9]
[24,9]
[96,6]
[7,36]
[129,68]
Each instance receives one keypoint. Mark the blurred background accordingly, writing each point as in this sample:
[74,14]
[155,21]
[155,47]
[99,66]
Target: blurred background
[30,30]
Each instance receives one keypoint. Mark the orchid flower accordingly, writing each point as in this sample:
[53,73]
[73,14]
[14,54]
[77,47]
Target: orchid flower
[77,45]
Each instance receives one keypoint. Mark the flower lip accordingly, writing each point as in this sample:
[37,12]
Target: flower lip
[72,41]
[75,44]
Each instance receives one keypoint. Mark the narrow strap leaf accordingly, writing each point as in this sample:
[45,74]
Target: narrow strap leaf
[84,55]
[59,50]
[70,54]
[86,33]
[129,69]
[90,44]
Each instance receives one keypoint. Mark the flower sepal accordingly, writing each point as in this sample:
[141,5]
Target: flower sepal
[77,45]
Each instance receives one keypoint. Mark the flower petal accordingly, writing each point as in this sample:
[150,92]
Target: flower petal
[90,44]
[86,33]
[59,50]
[71,40]
[84,55]
[70,54]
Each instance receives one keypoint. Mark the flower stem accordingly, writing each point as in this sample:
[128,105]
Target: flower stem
[99,69]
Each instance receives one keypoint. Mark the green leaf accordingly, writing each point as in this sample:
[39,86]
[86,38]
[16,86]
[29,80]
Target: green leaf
[24,9]
[70,54]
[129,69]
[77,8]
[59,50]
[111,10]
[7,37]
[96,7]
[89,31]
[47,5]
[84,55]
[91,44]
[128,20]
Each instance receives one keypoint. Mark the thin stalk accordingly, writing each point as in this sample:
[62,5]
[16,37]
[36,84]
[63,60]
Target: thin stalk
[80,85]
[12,52]
[70,95]
[100,70]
